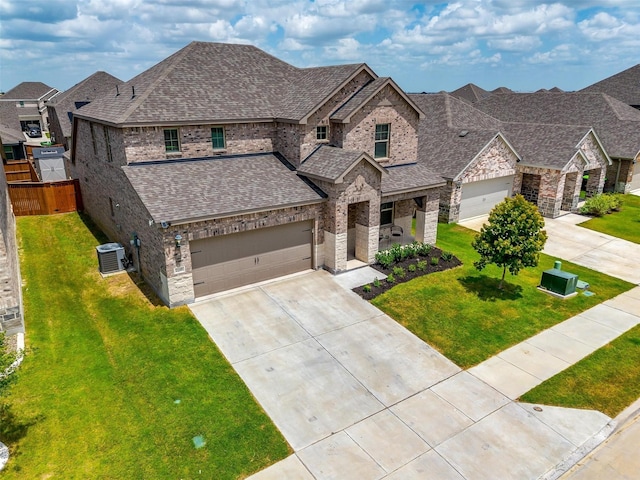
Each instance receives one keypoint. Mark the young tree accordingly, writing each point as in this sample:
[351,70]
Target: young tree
[513,238]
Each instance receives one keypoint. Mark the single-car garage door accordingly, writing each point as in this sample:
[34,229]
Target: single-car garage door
[635,180]
[478,198]
[229,261]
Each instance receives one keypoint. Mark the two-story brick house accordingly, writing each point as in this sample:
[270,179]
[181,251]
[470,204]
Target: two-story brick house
[222,166]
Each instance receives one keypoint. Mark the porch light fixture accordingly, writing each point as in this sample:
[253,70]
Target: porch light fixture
[178,239]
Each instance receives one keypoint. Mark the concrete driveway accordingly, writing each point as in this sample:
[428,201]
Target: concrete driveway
[357,396]
[595,250]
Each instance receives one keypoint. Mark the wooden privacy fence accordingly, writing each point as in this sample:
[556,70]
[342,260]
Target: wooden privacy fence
[36,198]
[20,171]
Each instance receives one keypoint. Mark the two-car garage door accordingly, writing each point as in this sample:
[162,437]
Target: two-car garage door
[229,261]
[635,180]
[478,198]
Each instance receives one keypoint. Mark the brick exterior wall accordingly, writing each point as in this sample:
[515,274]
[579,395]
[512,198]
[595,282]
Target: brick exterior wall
[55,129]
[10,281]
[385,107]
[147,143]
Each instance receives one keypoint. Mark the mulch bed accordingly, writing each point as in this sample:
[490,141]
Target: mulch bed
[384,272]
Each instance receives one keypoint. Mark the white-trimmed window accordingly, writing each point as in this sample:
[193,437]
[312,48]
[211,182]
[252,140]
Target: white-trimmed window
[171,140]
[217,138]
[386,213]
[381,149]
[321,132]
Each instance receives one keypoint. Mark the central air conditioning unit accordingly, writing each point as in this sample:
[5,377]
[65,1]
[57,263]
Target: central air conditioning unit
[110,257]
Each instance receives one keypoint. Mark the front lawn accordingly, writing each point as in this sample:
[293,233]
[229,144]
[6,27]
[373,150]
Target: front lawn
[623,224]
[463,314]
[115,385]
[608,380]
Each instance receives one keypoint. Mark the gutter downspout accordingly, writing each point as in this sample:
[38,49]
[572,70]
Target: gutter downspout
[615,186]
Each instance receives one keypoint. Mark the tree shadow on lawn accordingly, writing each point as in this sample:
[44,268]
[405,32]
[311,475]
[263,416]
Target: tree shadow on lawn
[13,429]
[486,288]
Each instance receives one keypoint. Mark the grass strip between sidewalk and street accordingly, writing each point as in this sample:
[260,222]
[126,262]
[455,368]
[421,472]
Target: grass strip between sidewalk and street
[115,385]
[462,313]
[608,380]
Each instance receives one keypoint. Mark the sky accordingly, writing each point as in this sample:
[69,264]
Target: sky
[427,46]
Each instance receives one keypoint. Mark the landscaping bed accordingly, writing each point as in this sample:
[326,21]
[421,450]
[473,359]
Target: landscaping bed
[420,260]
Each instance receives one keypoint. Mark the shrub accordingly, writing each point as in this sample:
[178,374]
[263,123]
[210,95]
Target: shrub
[424,249]
[422,265]
[412,267]
[385,258]
[435,260]
[376,283]
[391,278]
[601,204]
[366,288]
[399,272]
[447,256]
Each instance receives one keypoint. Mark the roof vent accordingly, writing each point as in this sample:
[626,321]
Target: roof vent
[117,91]
[133,91]
[463,133]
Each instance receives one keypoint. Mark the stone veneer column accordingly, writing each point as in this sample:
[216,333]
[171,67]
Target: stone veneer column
[427,220]
[550,194]
[335,251]
[367,239]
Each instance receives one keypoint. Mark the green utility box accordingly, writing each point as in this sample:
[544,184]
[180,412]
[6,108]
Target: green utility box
[558,281]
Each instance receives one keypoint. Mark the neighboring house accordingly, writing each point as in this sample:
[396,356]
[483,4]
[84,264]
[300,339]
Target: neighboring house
[470,92]
[28,101]
[616,124]
[223,165]
[11,137]
[485,160]
[623,86]
[63,106]
[466,147]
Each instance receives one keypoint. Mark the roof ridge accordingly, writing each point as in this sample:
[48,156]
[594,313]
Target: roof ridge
[447,109]
[178,56]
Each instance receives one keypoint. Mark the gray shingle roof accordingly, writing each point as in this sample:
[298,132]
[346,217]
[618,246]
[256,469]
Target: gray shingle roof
[187,190]
[403,178]
[10,123]
[545,145]
[624,86]
[29,91]
[452,133]
[208,82]
[361,96]
[615,123]
[87,90]
[332,163]
[470,92]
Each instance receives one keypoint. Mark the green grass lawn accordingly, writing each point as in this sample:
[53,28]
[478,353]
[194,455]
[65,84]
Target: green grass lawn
[463,314]
[607,380]
[623,224]
[114,385]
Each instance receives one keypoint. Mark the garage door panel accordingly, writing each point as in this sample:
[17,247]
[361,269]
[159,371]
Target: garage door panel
[230,261]
[635,180]
[478,198]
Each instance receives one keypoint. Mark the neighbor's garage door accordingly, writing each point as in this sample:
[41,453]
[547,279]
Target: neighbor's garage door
[478,198]
[229,261]
[635,181]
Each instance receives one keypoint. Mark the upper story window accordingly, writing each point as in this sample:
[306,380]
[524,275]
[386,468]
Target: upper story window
[171,142]
[8,152]
[382,141]
[321,132]
[217,138]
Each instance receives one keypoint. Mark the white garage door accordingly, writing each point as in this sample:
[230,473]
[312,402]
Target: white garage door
[230,261]
[478,198]
[635,181]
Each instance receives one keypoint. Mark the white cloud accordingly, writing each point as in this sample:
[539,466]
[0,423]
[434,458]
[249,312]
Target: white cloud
[519,43]
[345,49]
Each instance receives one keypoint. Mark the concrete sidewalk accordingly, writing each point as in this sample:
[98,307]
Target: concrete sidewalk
[521,367]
